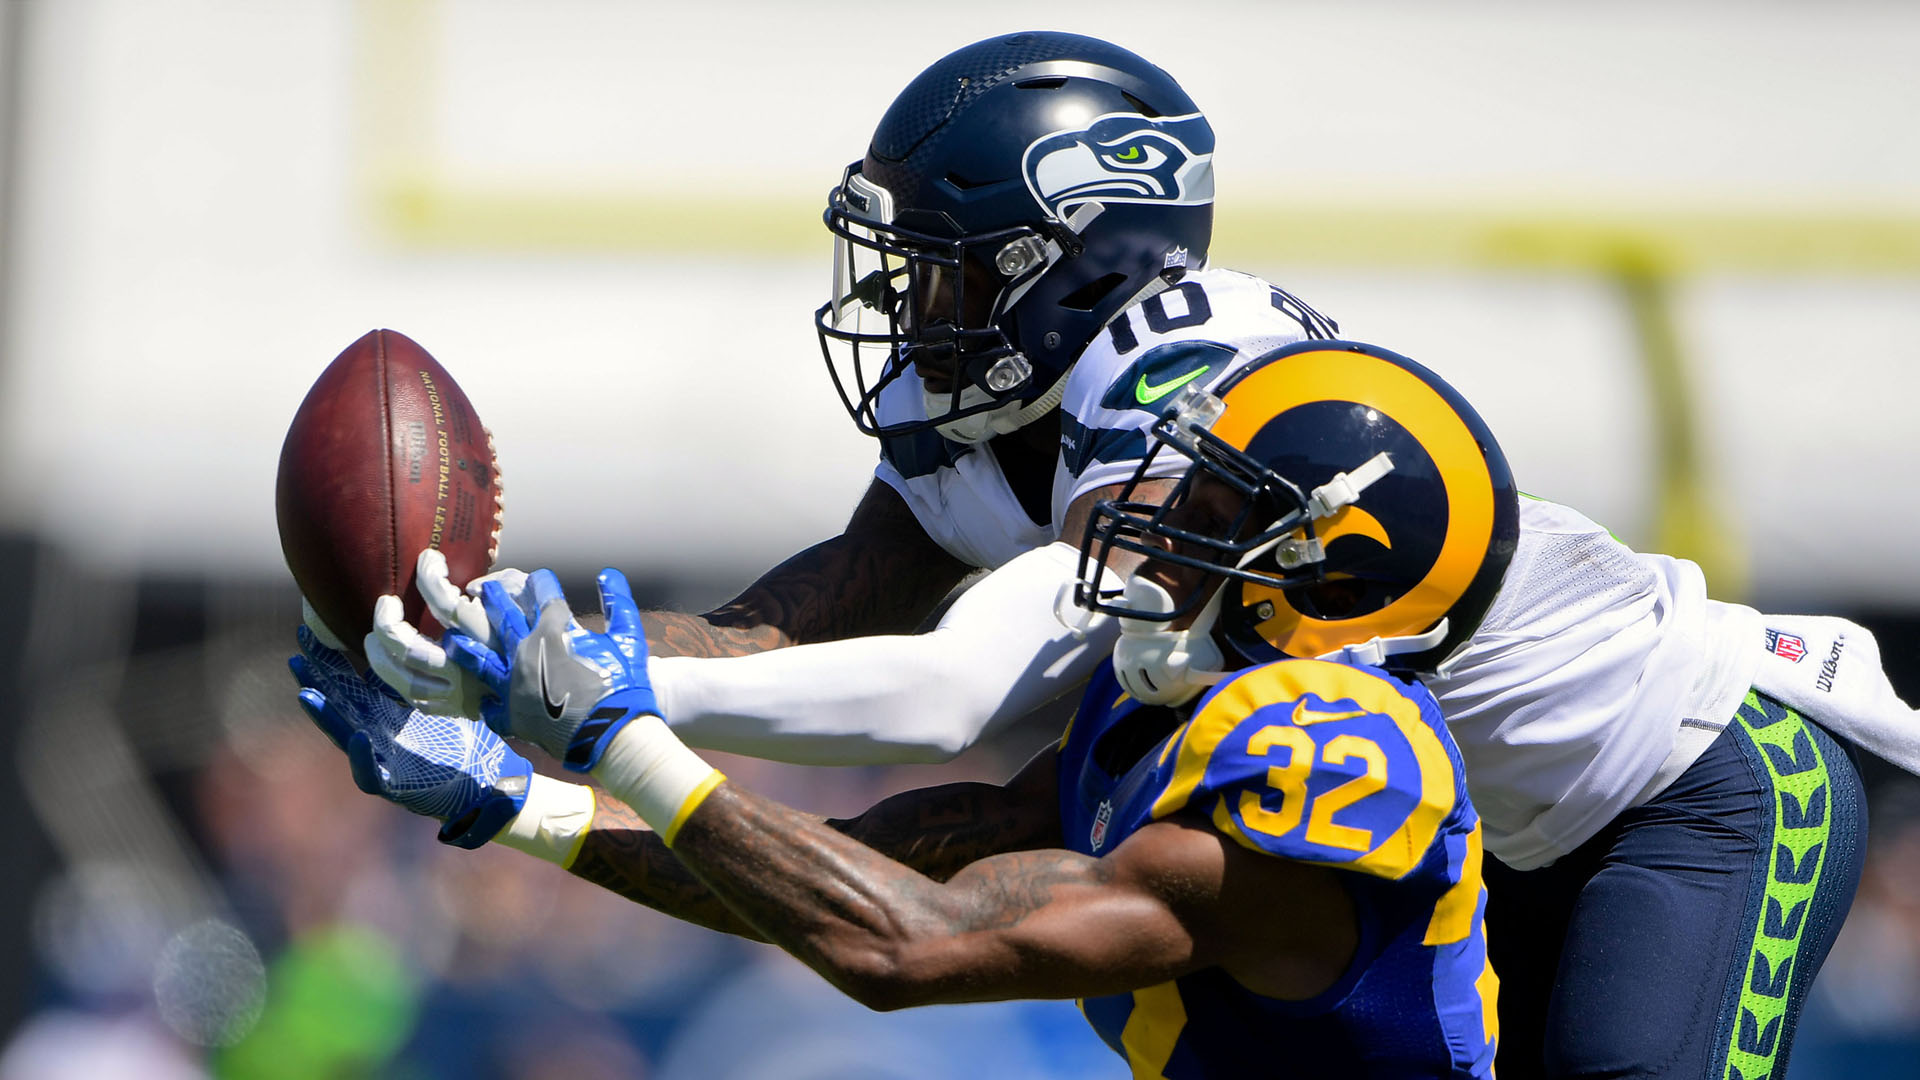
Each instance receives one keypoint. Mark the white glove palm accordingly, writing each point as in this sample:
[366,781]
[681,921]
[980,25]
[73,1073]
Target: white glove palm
[415,665]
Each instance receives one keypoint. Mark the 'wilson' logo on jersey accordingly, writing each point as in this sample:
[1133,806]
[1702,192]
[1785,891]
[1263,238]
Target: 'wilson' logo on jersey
[1123,158]
[1830,667]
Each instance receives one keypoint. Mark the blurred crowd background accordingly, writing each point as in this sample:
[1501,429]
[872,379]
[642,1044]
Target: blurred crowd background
[1670,250]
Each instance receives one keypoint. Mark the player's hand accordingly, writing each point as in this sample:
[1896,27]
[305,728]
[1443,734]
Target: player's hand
[444,767]
[417,666]
[557,684]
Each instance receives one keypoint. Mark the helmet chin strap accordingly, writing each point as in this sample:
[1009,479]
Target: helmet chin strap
[984,425]
[1374,651]
[1161,666]
[1170,667]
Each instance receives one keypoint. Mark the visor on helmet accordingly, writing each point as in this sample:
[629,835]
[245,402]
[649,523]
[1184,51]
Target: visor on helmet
[905,297]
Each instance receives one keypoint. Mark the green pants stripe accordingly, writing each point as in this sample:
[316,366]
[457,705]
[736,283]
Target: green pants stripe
[1796,758]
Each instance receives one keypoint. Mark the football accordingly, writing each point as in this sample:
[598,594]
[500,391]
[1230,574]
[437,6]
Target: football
[385,457]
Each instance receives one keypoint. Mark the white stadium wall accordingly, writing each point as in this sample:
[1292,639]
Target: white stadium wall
[603,219]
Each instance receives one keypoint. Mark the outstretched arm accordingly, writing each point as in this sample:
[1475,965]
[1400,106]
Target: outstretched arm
[885,696]
[883,575]
[998,654]
[1173,898]
[937,831]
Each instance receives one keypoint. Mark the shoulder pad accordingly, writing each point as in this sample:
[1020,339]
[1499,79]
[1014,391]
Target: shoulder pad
[1196,332]
[1318,761]
[1156,373]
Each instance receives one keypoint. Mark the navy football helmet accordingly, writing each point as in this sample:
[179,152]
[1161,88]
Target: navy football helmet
[1016,196]
[1340,498]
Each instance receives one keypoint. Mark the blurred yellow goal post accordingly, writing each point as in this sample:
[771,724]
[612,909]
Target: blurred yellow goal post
[1640,253]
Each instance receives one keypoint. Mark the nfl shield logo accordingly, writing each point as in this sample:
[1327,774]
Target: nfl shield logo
[1786,646]
[1100,819]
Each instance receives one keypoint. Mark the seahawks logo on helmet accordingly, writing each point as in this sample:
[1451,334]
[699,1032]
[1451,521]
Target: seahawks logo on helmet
[1123,158]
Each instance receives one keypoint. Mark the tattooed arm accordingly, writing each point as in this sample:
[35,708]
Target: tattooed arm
[883,575]
[1174,897]
[936,830]
[951,894]
[998,654]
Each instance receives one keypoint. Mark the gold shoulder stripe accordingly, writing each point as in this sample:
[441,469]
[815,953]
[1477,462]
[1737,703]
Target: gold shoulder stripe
[1153,1029]
[1454,913]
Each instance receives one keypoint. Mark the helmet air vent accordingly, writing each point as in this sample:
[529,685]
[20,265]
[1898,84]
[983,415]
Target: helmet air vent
[1139,106]
[1088,296]
[1042,82]
[966,184]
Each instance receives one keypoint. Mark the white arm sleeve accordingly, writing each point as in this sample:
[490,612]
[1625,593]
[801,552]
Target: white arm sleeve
[999,653]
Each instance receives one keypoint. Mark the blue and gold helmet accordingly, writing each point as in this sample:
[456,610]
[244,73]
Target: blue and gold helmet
[1372,511]
[1016,196]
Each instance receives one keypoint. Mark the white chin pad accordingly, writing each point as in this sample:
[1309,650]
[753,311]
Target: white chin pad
[1145,594]
[1161,666]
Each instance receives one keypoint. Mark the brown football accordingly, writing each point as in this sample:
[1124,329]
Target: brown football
[385,457]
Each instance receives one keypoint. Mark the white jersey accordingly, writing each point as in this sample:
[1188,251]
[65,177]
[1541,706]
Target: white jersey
[1196,330]
[957,491]
[1598,674]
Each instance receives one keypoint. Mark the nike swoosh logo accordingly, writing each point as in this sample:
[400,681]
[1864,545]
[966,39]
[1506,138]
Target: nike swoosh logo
[554,708]
[1303,716]
[1147,394]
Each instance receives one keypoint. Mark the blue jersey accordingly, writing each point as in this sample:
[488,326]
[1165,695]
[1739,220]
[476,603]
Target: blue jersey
[1327,763]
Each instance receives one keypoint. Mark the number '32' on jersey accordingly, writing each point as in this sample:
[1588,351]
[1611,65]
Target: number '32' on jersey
[1327,763]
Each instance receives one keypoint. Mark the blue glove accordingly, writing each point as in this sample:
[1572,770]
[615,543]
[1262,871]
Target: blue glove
[557,684]
[442,767]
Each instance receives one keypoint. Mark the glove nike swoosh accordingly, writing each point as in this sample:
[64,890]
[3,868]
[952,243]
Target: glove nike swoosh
[554,709]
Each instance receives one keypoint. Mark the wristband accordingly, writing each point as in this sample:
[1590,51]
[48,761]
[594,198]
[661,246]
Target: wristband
[553,824]
[647,767]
